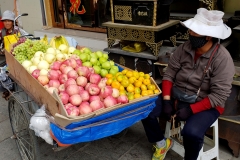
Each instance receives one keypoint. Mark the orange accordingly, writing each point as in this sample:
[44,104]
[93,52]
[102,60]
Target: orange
[129,74]
[109,75]
[121,88]
[109,81]
[119,78]
[141,79]
[136,74]
[151,87]
[130,88]
[137,90]
[124,71]
[146,81]
[150,92]
[115,84]
[125,83]
[156,91]
[132,79]
[137,95]
[141,74]
[146,76]
[143,87]
[138,83]
[144,93]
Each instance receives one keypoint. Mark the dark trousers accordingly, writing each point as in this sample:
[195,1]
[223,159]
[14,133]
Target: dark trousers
[193,131]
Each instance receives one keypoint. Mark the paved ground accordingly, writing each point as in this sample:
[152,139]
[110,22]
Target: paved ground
[132,146]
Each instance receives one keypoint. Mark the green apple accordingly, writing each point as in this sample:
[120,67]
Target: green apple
[87,64]
[93,61]
[94,55]
[86,50]
[77,52]
[88,57]
[103,72]
[102,60]
[98,63]
[83,57]
[115,68]
[106,65]
[113,71]
[99,54]
[97,69]
[112,63]
[105,55]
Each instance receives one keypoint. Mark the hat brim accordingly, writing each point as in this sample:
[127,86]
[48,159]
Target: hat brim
[221,31]
[3,19]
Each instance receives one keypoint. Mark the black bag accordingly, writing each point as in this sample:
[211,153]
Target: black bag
[181,96]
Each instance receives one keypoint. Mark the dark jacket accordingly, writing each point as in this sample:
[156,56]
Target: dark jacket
[187,75]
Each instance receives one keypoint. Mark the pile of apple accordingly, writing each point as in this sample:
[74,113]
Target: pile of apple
[98,60]
[80,88]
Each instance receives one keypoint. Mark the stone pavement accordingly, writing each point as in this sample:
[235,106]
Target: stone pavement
[132,146]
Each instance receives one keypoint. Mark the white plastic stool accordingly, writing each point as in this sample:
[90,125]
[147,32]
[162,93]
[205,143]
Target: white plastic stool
[203,155]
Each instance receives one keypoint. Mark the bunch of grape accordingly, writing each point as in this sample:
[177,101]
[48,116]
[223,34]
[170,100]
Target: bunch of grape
[26,50]
[20,41]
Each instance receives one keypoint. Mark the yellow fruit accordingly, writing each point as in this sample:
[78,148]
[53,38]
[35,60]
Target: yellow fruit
[125,83]
[150,92]
[116,84]
[143,87]
[137,90]
[132,79]
[146,76]
[130,96]
[120,78]
[144,93]
[156,91]
[118,73]
[146,81]
[109,81]
[151,87]
[136,74]
[125,77]
[141,74]
[137,95]
[124,71]
[140,79]
[130,88]
[122,93]
[121,88]
[129,74]
[137,83]
[109,75]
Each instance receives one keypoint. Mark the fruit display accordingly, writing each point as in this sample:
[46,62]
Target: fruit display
[26,50]
[85,81]
[98,60]
[57,41]
[133,84]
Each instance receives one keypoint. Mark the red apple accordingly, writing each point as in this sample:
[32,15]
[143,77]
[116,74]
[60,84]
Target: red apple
[64,97]
[43,80]
[83,71]
[73,111]
[109,101]
[102,83]
[106,91]
[69,82]
[96,104]
[72,74]
[61,88]
[93,98]
[75,99]
[122,99]
[53,75]
[36,73]
[84,108]
[67,69]
[93,89]
[81,81]
[55,65]
[63,78]
[84,95]
[95,78]
[72,89]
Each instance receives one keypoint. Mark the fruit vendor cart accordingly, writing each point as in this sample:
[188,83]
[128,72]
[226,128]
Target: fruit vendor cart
[29,95]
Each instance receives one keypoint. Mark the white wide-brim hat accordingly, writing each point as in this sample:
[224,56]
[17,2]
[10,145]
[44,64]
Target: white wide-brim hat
[208,23]
[8,15]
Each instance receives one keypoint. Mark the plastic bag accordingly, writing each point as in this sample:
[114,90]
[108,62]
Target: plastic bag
[134,47]
[6,82]
[41,125]
[9,41]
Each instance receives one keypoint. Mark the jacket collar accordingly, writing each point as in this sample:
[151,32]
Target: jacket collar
[188,48]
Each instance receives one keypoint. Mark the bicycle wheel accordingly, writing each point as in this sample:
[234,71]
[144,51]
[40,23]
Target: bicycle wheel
[25,138]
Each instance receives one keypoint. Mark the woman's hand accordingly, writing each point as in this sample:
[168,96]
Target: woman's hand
[167,109]
[183,113]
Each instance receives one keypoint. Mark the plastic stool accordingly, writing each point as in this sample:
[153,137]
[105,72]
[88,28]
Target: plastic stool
[203,155]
